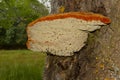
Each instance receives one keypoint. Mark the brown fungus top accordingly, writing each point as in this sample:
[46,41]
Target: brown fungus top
[63,34]
[79,15]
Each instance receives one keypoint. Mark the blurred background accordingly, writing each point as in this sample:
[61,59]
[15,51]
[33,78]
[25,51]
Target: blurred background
[16,62]
[15,15]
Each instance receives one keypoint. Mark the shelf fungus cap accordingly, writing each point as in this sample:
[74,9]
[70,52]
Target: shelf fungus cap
[63,34]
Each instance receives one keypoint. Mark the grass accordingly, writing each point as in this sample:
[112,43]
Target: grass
[21,65]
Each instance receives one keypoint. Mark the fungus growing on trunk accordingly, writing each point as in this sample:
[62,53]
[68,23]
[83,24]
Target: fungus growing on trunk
[63,34]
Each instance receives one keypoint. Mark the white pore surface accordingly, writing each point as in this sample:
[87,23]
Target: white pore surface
[60,37]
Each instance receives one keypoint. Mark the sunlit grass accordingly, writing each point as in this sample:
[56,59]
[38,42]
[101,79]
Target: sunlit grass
[21,65]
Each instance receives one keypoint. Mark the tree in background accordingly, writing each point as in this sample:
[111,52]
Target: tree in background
[14,17]
[100,58]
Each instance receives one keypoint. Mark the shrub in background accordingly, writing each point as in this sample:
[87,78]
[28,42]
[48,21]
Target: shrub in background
[14,17]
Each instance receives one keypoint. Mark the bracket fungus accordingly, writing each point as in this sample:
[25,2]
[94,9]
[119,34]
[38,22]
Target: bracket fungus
[63,34]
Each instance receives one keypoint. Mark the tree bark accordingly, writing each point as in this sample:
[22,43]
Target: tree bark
[100,58]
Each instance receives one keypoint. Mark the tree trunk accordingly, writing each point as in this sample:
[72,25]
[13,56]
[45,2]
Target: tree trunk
[100,58]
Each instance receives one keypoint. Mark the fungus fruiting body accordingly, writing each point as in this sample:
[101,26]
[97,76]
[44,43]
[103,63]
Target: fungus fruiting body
[63,34]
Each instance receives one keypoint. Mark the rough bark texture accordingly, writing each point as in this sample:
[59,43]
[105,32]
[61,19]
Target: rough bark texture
[100,58]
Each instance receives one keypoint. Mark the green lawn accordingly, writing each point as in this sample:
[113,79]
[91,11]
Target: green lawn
[21,65]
